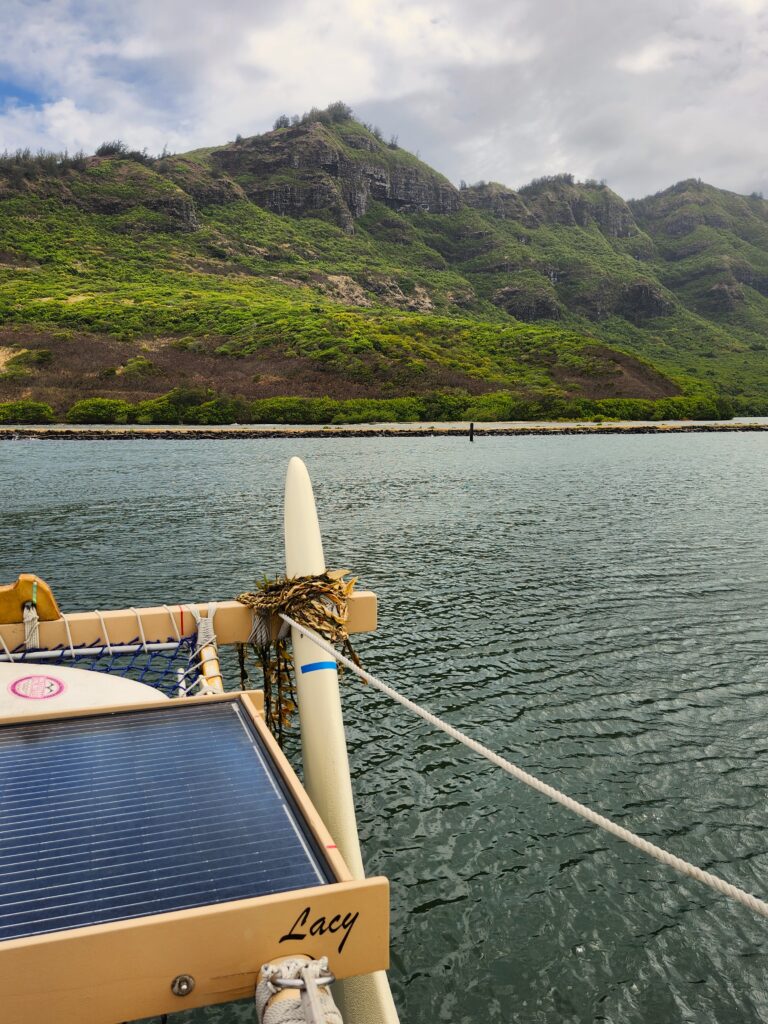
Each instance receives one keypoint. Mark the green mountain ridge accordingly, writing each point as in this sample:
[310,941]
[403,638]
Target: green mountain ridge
[318,260]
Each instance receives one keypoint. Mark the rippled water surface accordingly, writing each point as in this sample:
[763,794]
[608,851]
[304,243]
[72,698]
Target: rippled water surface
[594,608]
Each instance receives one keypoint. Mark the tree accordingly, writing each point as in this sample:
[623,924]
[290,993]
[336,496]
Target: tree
[339,111]
[281,122]
[99,410]
[115,147]
[26,411]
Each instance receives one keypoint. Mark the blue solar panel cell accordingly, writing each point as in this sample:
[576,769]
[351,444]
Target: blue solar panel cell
[143,812]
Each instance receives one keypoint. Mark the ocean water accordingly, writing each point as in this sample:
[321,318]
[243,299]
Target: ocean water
[594,608]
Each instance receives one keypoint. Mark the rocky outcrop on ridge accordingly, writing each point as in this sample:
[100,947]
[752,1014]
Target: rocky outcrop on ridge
[311,170]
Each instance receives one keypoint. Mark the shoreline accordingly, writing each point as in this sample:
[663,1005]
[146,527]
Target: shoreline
[71,432]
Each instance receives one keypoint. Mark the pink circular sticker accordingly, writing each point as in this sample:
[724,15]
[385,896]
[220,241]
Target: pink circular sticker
[37,687]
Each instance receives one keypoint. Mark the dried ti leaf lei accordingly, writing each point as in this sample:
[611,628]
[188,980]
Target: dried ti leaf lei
[318,603]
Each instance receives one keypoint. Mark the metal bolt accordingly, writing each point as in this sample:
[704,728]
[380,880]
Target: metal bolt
[182,984]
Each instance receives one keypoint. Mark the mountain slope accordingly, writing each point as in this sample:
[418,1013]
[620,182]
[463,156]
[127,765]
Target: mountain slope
[317,259]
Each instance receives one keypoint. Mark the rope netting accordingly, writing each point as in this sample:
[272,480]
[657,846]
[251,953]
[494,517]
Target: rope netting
[170,667]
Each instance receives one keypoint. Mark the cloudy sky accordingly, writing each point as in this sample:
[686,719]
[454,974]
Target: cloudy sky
[640,93]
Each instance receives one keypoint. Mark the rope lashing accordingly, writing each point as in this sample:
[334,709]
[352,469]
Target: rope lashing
[206,638]
[141,627]
[173,666]
[294,990]
[174,627]
[684,867]
[261,631]
[105,633]
[31,626]
[68,631]
[321,603]
[31,621]
[205,632]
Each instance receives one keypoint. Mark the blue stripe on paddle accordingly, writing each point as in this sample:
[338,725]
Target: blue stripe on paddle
[315,666]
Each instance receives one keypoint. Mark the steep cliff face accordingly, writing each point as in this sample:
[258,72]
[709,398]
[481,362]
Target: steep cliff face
[553,248]
[500,202]
[712,249]
[560,200]
[557,201]
[334,172]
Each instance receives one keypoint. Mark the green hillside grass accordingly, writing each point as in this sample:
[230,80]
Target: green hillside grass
[138,276]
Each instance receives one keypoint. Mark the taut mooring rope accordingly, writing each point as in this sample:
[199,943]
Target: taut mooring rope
[683,866]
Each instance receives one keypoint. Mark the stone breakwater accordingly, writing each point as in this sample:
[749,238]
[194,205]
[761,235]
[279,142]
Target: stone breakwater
[96,433]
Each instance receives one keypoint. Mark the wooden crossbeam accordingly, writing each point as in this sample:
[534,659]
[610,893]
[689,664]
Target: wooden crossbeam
[233,623]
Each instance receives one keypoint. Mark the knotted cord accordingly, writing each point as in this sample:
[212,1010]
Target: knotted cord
[320,603]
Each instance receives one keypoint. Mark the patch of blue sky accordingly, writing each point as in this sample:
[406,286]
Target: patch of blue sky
[154,79]
[12,94]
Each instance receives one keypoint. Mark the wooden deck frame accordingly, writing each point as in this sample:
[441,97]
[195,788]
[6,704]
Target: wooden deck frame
[123,970]
[233,623]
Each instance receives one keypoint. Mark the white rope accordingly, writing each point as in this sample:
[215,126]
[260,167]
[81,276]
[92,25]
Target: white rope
[205,631]
[173,622]
[69,636]
[206,637]
[260,633]
[31,626]
[107,642]
[310,1001]
[141,627]
[683,866]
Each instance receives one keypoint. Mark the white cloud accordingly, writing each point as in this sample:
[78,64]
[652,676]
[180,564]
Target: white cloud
[222,74]
[502,89]
[744,6]
[654,56]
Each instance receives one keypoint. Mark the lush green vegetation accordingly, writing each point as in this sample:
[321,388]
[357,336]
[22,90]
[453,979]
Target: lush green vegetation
[518,301]
[204,407]
[26,411]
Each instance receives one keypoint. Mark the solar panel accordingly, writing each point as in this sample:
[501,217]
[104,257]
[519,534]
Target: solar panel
[142,812]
